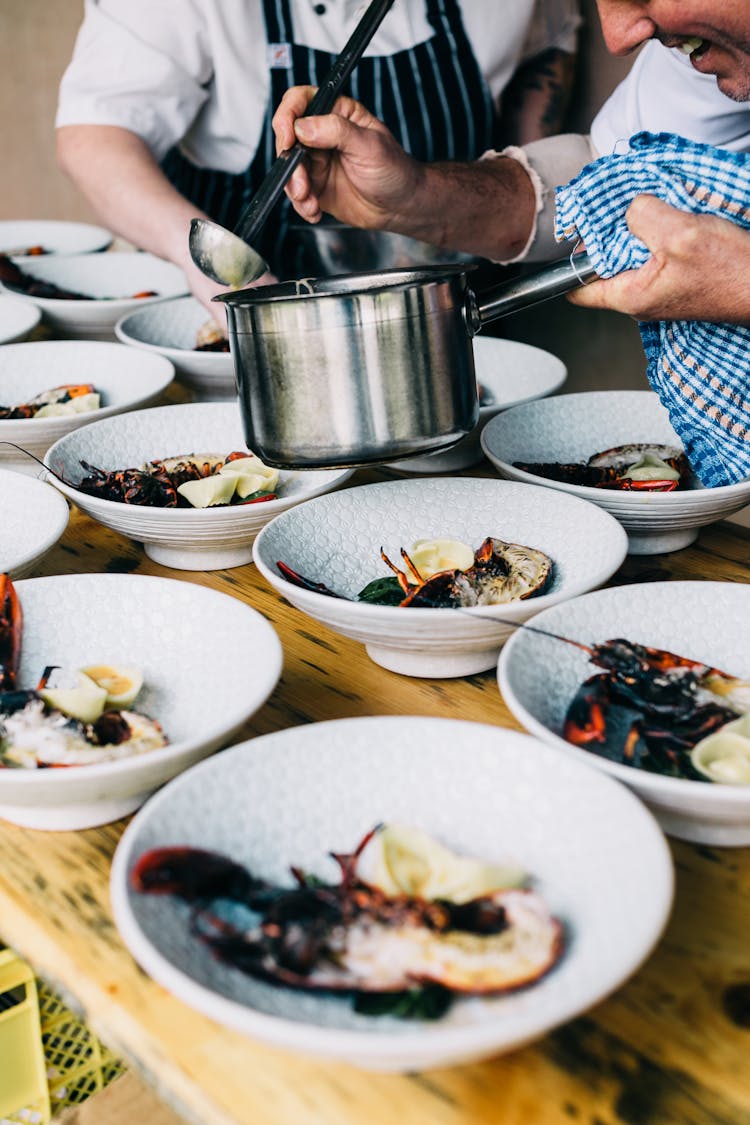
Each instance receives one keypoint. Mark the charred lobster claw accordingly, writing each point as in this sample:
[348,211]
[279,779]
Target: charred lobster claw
[330,936]
[648,707]
[297,579]
[193,874]
[11,626]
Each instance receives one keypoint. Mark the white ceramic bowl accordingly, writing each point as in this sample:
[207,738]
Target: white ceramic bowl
[111,279]
[18,319]
[55,235]
[510,373]
[184,538]
[292,796]
[572,428]
[208,660]
[169,328]
[33,516]
[125,379]
[337,539]
[705,621]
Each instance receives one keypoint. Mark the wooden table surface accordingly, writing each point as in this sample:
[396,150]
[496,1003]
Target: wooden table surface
[672,1045]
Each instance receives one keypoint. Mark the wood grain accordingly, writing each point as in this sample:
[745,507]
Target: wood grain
[669,1046]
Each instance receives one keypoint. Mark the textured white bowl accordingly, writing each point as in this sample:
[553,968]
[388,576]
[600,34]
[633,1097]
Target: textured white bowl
[704,621]
[125,379]
[511,373]
[184,538]
[209,661]
[573,427]
[292,796]
[114,276]
[336,540]
[169,328]
[18,319]
[55,235]
[33,516]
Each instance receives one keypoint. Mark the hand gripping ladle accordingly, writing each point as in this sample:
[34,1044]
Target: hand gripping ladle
[230,259]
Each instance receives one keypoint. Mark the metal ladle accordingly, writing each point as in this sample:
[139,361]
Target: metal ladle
[230,259]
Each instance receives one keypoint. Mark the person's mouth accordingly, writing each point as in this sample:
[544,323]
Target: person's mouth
[695,47]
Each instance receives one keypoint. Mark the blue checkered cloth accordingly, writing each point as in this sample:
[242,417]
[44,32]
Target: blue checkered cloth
[700,370]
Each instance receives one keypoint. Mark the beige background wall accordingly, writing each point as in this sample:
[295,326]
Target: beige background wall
[36,38]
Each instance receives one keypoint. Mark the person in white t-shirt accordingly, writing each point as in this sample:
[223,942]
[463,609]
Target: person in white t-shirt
[165,109]
[502,208]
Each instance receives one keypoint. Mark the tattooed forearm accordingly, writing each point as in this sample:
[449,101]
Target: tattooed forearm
[535,101]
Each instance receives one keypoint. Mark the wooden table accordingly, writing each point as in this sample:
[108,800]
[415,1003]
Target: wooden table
[672,1045]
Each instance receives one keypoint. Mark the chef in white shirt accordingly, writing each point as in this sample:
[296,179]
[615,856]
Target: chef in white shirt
[165,110]
[501,206]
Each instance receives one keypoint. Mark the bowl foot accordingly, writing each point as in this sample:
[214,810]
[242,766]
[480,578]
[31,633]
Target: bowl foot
[721,835]
[433,665]
[187,558]
[68,818]
[660,542]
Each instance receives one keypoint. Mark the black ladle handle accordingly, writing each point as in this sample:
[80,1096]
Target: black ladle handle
[255,216]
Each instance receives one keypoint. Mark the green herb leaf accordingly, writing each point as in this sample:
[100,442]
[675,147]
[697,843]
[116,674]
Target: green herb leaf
[382,591]
[428,1003]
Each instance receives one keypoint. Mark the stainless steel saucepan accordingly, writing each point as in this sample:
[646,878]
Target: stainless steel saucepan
[367,368]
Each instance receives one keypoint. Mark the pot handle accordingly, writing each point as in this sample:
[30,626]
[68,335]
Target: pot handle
[532,289]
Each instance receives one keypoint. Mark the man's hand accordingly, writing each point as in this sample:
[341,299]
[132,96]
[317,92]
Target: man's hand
[356,170]
[698,269]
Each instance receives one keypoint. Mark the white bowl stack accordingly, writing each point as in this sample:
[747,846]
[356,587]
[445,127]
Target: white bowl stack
[573,427]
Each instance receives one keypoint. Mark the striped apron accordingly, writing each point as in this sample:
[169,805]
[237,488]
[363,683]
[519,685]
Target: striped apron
[432,97]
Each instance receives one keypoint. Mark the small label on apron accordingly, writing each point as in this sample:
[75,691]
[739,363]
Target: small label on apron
[279,56]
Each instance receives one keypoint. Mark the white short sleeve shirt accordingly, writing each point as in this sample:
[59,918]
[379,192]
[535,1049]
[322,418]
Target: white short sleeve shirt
[664,93]
[196,71]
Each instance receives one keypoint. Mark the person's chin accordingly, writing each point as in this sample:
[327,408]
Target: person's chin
[732,78]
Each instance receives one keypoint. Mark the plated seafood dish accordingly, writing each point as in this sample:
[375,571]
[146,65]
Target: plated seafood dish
[19,281]
[194,480]
[663,713]
[446,573]
[422,925]
[210,338]
[640,467]
[70,398]
[76,718]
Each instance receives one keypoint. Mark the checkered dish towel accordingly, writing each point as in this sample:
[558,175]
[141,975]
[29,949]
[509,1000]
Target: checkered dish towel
[700,371]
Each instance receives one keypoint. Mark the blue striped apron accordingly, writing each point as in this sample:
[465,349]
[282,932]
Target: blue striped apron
[433,97]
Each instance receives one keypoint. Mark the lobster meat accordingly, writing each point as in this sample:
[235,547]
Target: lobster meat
[632,468]
[650,707]
[351,935]
[502,572]
[155,484]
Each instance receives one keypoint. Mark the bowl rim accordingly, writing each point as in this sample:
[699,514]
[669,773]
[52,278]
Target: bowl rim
[236,513]
[58,510]
[598,495]
[160,381]
[104,237]
[268,677]
[116,304]
[373,1043]
[652,784]
[28,317]
[512,610]
[181,354]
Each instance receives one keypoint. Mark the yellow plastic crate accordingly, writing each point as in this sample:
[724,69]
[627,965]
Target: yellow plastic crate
[49,1058]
